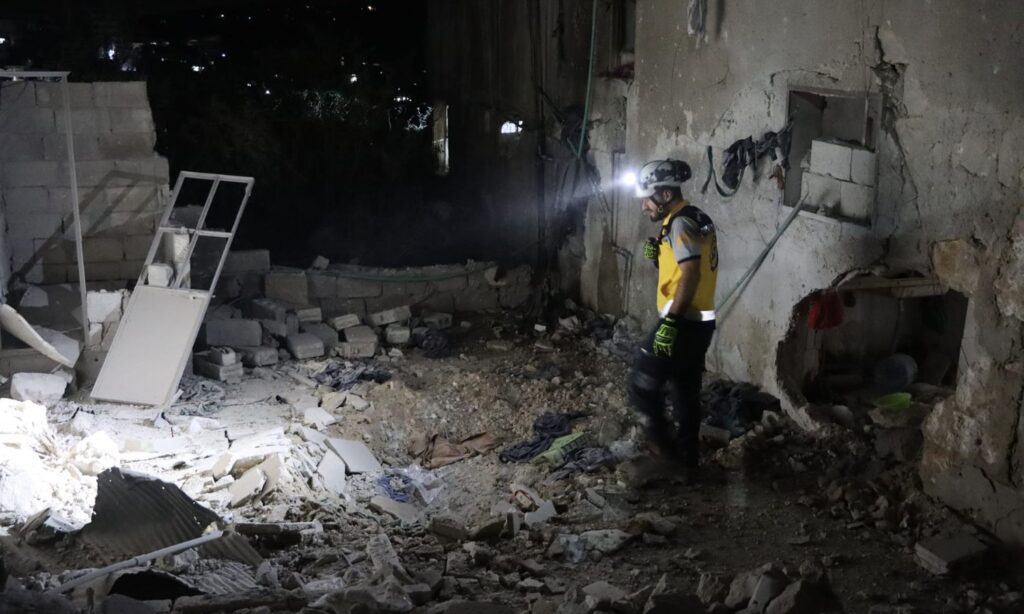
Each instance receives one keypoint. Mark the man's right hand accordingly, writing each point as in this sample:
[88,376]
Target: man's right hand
[651,249]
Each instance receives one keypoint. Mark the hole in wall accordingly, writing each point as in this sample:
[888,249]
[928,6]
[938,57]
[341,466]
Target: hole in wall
[867,336]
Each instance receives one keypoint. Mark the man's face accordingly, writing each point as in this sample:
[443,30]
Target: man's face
[650,208]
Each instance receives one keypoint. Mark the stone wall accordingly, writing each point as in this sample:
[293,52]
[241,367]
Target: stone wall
[123,184]
[341,290]
[950,167]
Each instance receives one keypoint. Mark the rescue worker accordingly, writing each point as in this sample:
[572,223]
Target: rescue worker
[686,255]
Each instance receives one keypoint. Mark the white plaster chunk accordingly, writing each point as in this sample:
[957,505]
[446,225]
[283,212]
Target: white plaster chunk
[95,454]
[856,201]
[820,190]
[159,274]
[863,166]
[356,455]
[43,388]
[317,417]
[245,488]
[104,306]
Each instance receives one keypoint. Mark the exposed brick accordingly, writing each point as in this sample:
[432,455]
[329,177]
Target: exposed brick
[135,198]
[96,271]
[104,223]
[102,249]
[26,200]
[86,147]
[21,147]
[34,225]
[92,173]
[384,303]
[450,285]
[287,286]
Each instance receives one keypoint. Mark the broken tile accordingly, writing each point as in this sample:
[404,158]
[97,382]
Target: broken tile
[356,455]
[245,488]
[405,512]
[332,471]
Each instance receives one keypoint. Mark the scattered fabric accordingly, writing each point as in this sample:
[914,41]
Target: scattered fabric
[561,448]
[339,377]
[826,311]
[547,427]
[735,407]
[436,451]
[584,460]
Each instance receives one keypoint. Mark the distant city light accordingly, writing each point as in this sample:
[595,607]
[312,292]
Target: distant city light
[403,99]
[371,8]
[223,55]
[196,68]
[2,40]
[353,79]
[511,127]
[111,52]
[267,92]
[222,15]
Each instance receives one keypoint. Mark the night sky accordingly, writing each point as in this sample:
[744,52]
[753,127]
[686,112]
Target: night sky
[324,102]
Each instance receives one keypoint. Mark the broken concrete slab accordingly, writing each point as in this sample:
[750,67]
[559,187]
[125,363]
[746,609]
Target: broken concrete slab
[404,512]
[305,345]
[332,471]
[606,541]
[360,333]
[357,349]
[397,334]
[358,458]
[316,416]
[308,314]
[287,286]
[43,388]
[231,374]
[234,333]
[258,356]
[247,487]
[12,322]
[945,554]
[266,309]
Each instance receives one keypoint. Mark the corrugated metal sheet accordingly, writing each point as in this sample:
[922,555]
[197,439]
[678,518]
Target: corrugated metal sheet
[135,514]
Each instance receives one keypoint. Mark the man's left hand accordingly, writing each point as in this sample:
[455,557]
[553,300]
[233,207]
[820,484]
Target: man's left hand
[665,337]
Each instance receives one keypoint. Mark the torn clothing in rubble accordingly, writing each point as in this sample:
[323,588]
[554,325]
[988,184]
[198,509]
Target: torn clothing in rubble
[584,460]
[436,451]
[547,427]
[736,406]
[340,377]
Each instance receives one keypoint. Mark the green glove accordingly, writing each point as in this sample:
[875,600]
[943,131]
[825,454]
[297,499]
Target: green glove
[665,337]
[651,249]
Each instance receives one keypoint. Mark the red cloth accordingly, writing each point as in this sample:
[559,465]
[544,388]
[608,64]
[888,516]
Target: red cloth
[826,311]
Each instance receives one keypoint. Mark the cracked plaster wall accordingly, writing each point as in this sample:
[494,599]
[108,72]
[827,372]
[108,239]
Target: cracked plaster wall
[949,186]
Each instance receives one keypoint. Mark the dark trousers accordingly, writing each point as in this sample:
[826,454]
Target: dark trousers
[683,374]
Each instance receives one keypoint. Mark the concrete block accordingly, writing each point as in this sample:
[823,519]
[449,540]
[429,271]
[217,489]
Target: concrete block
[232,373]
[292,322]
[820,190]
[278,330]
[478,299]
[94,336]
[234,333]
[325,333]
[86,147]
[266,309]
[135,198]
[258,356]
[84,121]
[117,145]
[452,284]
[342,322]
[120,94]
[322,285]
[308,314]
[22,147]
[357,288]
[856,201]
[222,356]
[831,157]
[288,286]
[341,306]
[92,173]
[102,249]
[397,334]
[42,388]
[96,271]
[247,261]
[29,120]
[360,333]
[305,345]
[247,487]
[416,288]
[130,269]
[863,166]
[160,274]
[27,225]
[19,95]
[104,307]
[35,200]
[388,316]
[357,349]
[131,120]
[136,247]
[437,320]
[40,173]
[79,96]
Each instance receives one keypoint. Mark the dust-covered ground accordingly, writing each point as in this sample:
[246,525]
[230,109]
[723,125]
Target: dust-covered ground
[821,519]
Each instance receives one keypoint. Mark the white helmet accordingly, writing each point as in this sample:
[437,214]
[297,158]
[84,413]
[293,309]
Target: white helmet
[659,174]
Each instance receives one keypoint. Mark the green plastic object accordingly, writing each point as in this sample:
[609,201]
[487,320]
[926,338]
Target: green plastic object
[893,402]
[561,448]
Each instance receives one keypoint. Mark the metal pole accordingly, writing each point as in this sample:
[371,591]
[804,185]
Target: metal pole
[73,176]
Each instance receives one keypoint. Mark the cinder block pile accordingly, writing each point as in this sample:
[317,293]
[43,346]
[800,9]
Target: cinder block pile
[123,184]
[840,179]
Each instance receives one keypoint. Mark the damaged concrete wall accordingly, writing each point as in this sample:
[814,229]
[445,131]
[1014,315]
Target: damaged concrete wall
[122,182]
[949,169]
